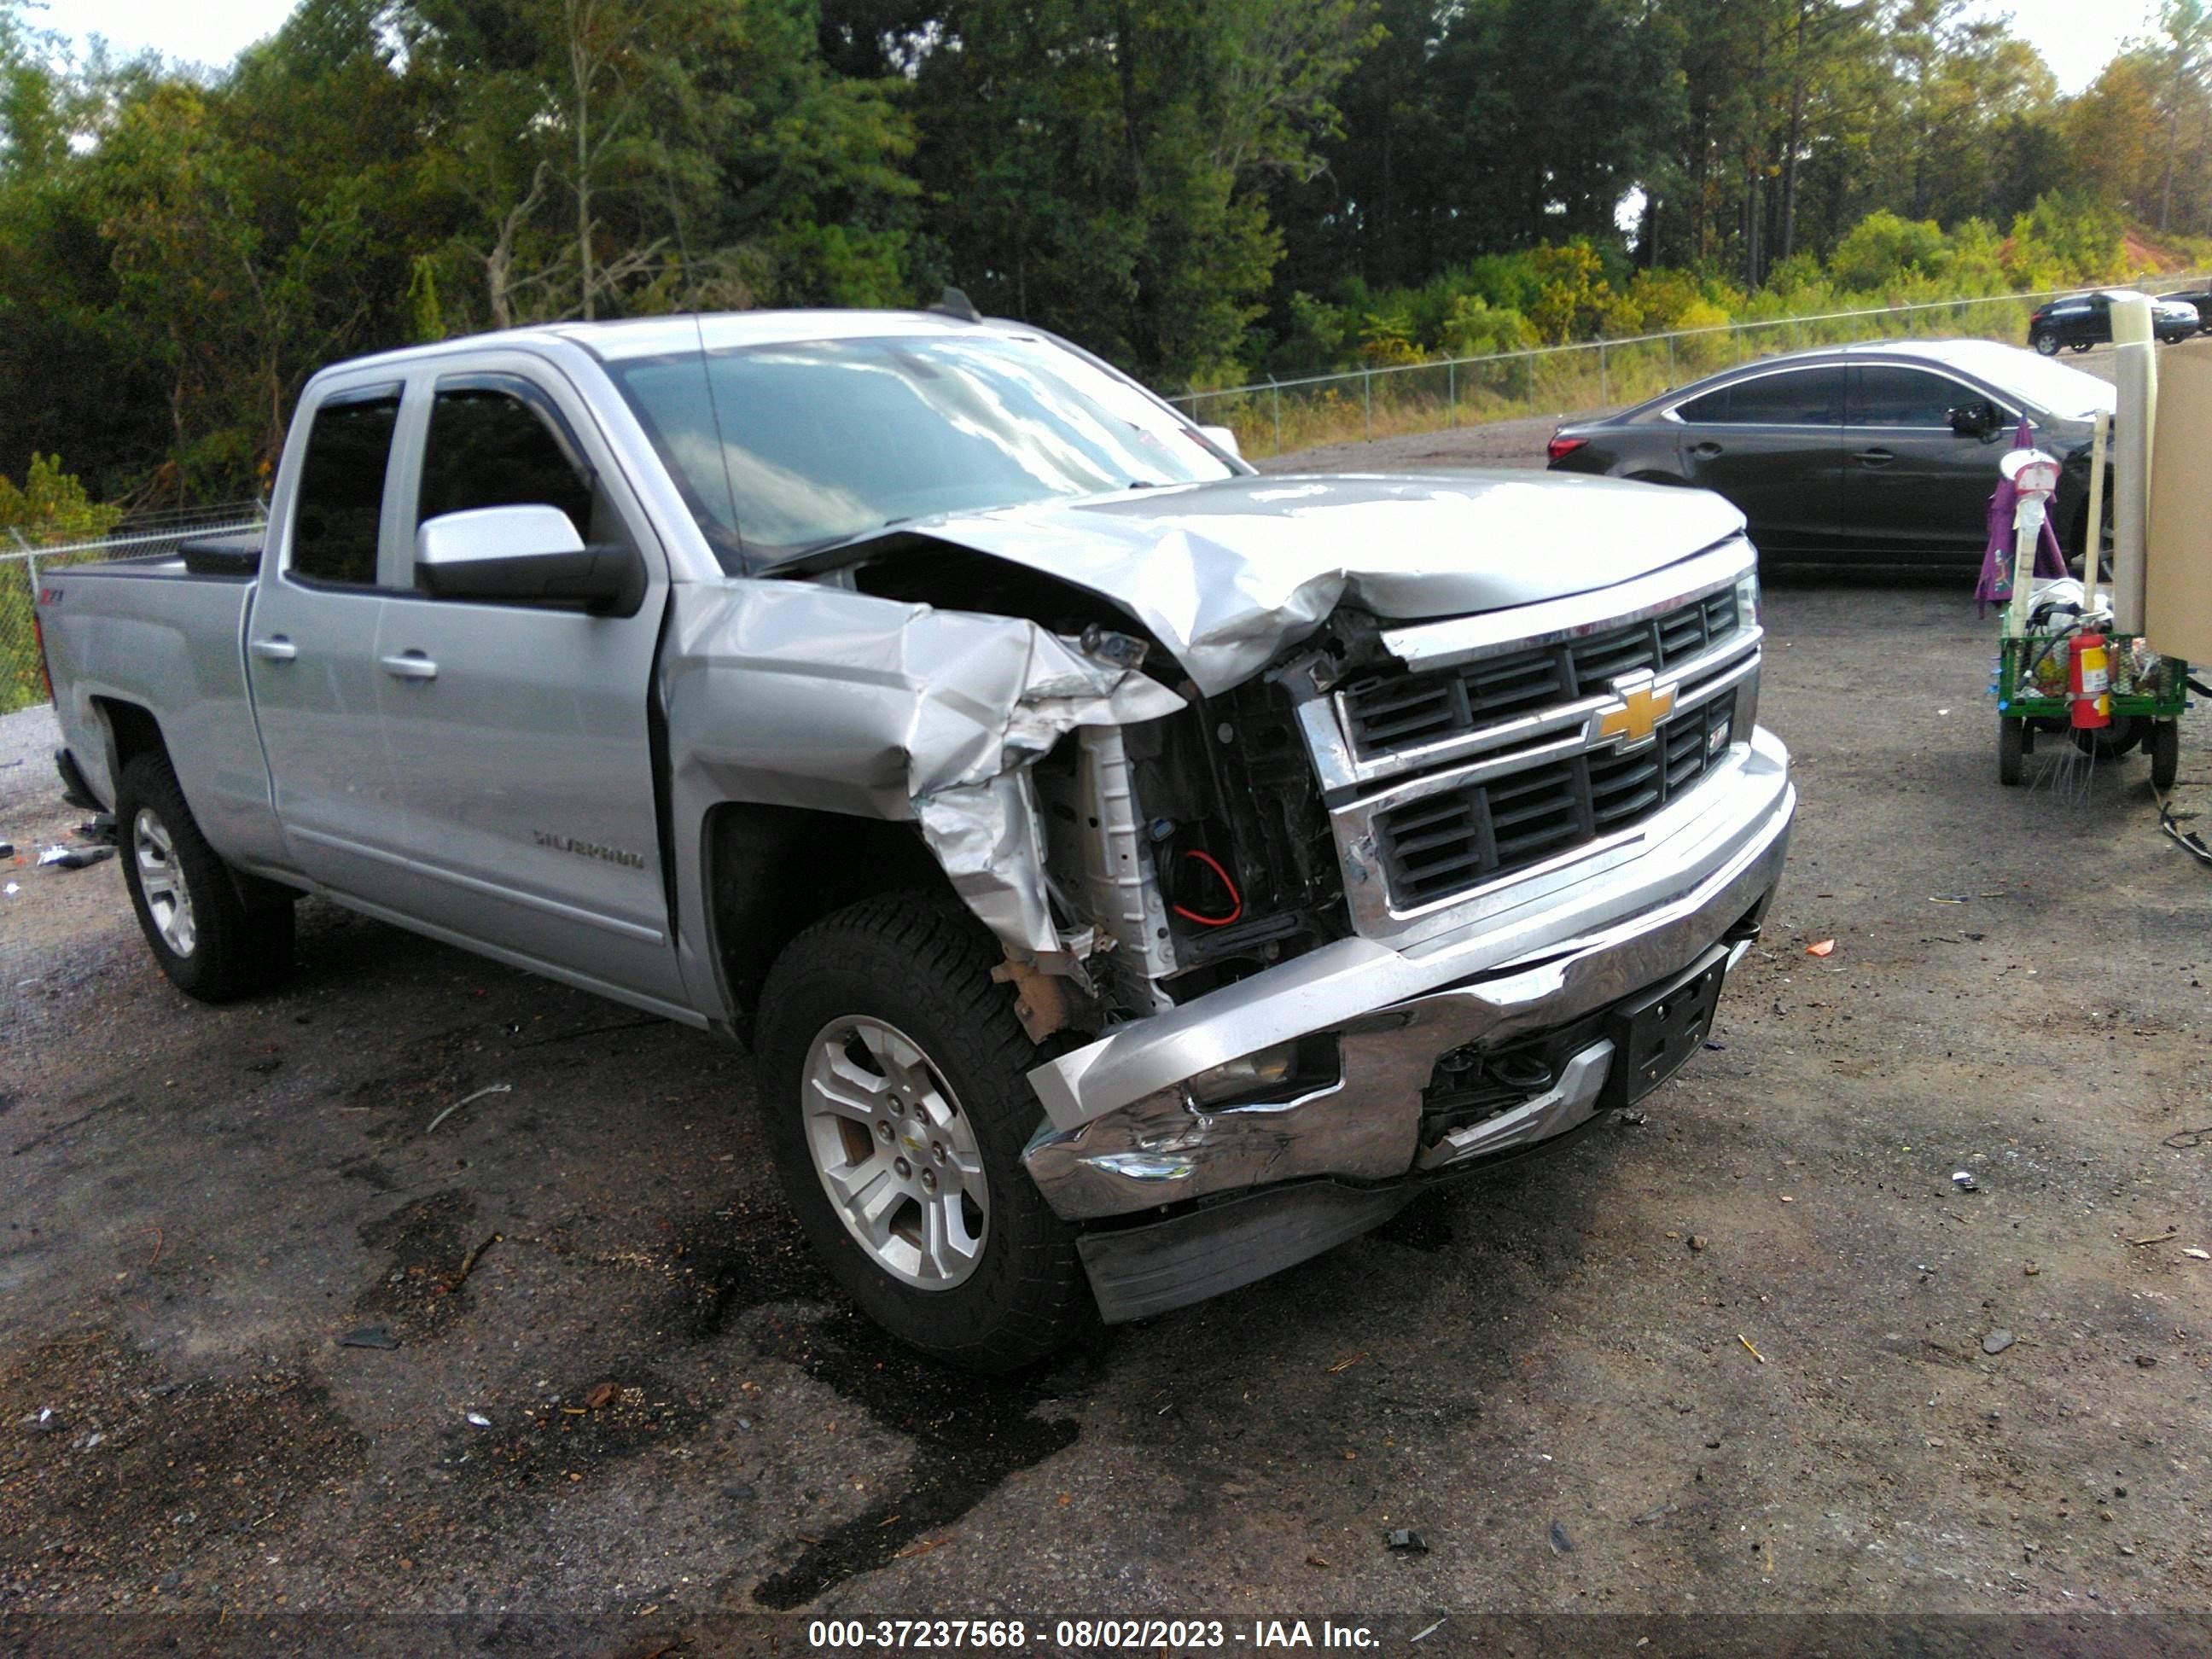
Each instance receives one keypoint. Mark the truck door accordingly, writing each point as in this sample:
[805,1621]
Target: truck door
[522,735]
[310,655]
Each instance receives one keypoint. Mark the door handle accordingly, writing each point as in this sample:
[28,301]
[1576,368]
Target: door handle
[276,648]
[1706,450]
[409,665]
[1877,457]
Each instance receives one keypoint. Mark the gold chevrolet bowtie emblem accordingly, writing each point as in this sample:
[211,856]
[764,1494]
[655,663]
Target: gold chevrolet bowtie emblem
[1641,706]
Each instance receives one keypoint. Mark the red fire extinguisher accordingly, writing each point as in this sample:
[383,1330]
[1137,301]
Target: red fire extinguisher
[2087,682]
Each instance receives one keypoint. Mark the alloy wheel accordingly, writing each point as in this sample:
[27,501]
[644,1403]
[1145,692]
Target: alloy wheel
[895,1152]
[161,879]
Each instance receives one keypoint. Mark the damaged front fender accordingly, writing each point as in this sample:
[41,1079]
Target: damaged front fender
[791,695]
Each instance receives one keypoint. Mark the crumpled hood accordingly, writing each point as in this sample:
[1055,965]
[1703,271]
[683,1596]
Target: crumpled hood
[1226,574]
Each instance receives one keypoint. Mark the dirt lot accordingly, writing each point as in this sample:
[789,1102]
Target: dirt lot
[1736,1358]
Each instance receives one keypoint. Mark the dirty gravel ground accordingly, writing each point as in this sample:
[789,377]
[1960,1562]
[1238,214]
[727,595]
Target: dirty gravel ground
[1548,1372]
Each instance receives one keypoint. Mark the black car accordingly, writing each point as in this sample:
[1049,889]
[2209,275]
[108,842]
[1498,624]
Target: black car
[2198,297]
[2081,320]
[1875,459]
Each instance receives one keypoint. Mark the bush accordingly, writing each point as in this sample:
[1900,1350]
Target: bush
[1475,328]
[1386,339]
[1881,248]
[2063,242]
[51,507]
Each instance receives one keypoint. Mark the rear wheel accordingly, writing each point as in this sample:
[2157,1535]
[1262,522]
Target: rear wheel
[2110,742]
[2045,340]
[2164,754]
[892,1069]
[193,908]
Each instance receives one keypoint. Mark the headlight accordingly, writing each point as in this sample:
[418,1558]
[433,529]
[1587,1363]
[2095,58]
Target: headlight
[1256,1073]
[1747,598]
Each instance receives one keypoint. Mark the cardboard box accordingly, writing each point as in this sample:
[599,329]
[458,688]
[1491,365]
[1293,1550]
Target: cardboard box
[2178,565]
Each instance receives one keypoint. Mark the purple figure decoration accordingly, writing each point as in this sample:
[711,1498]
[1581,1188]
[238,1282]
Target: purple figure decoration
[1995,585]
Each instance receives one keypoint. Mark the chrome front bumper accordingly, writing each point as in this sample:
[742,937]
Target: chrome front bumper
[1124,1135]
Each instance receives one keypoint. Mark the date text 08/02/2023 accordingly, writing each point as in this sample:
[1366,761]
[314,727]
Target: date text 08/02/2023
[1083,1635]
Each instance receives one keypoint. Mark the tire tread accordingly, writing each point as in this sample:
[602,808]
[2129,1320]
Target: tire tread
[238,948]
[1042,1297]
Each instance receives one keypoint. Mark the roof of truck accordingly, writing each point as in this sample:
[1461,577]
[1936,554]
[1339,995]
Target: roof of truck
[652,337]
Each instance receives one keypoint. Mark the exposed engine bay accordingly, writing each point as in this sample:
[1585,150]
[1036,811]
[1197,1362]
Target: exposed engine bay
[1196,845]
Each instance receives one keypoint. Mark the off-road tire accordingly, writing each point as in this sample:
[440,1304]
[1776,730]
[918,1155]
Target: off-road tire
[920,962]
[237,946]
[2164,754]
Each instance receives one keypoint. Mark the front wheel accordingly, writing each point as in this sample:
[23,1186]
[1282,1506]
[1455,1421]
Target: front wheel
[892,1070]
[209,941]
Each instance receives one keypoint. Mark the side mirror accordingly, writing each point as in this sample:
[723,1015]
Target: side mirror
[1976,421]
[1223,439]
[521,554]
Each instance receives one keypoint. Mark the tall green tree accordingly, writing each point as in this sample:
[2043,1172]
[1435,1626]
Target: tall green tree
[1099,166]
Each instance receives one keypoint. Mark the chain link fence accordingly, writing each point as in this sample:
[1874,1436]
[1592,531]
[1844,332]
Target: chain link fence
[24,561]
[1274,417]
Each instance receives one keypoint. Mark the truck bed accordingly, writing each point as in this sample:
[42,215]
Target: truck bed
[155,633]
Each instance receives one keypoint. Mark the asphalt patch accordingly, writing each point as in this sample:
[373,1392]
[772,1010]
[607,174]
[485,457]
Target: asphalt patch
[745,1254]
[554,1441]
[425,1240]
[970,1435]
[111,1467]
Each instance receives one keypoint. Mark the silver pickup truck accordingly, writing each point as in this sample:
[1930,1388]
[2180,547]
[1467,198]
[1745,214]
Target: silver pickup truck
[1133,875]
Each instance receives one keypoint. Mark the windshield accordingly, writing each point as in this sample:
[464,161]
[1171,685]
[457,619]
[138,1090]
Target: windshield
[782,449]
[2066,392]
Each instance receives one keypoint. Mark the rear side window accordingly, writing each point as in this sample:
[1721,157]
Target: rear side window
[1803,396]
[1711,410]
[1884,395]
[341,498]
[488,447]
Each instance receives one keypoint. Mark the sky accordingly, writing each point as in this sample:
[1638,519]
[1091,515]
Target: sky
[2076,37]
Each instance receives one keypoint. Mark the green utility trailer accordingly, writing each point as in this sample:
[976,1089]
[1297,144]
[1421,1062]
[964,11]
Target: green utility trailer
[2149,693]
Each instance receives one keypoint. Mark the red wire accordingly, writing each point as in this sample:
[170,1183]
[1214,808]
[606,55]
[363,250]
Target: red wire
[1235,898]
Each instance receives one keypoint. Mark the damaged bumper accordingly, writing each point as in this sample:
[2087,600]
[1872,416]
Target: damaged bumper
[1127,1136]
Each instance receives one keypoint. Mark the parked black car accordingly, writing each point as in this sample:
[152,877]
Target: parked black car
[2199,297]
[2081,320]
[1865,458]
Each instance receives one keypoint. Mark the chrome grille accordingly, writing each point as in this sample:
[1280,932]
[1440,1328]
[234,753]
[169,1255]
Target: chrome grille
[1445,844]
[1387,713]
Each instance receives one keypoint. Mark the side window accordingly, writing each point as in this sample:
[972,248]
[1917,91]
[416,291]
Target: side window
[489,448]
[1711,410]
[1804,397]
[341,499]
[1887,395]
